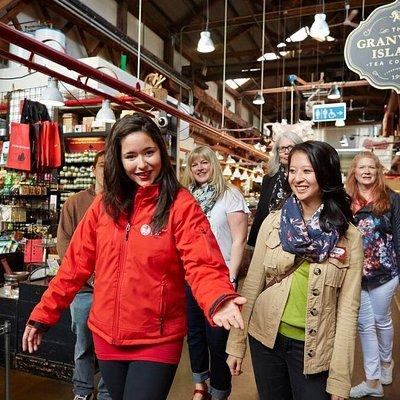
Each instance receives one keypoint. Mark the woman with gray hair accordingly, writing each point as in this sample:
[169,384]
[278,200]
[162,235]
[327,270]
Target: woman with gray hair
[273,189]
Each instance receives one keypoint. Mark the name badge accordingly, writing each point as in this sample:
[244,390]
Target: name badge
[339,253]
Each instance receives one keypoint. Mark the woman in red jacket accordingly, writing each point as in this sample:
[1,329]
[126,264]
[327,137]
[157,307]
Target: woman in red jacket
[141,239]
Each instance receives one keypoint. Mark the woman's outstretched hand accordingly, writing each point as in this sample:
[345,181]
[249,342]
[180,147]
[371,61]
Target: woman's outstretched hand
[235,365]
[31,339]
[229,314]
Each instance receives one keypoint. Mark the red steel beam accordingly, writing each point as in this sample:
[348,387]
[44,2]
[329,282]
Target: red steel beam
[66,79]
[12,35]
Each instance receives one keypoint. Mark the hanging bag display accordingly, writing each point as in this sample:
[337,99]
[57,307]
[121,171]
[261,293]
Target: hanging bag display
[19,154]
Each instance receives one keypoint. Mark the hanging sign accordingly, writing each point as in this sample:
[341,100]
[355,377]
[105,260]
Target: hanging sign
[329,112]
[372,50]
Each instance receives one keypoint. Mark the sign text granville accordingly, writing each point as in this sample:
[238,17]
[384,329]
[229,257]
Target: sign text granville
[373,49]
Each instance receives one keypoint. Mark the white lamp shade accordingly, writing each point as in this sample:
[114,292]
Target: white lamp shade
[334,93]
[219,156]
[105,114]
[230,160]
[299,35]
[244,176]
[319,29]
[258,179]
[340,122]
[205,44]
[268,57]
[259,99]
[236,173]
[227,171]
[52,96]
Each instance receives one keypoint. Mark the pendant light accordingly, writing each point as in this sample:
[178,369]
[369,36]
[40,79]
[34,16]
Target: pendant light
[244,176]
[258,179]
[334,93]
[52,96]
[219,156]
[105,114]
[205,44]
[236,173]
[230,160]
[319,29]
[299,35]
[340,122]
[258,99]
[227,171]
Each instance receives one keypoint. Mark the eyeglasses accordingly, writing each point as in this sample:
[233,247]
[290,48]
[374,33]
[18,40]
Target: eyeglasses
[285,149]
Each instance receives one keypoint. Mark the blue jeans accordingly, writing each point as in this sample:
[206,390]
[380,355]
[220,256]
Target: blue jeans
[207,350]
[84,371]
[279,372]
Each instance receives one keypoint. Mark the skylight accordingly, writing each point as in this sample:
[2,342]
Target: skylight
[236,83]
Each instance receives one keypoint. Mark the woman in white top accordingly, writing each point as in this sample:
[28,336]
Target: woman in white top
[226,211]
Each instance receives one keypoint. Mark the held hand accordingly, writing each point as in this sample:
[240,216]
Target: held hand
[334,397]
[229,314]
[31,339]
[235,365]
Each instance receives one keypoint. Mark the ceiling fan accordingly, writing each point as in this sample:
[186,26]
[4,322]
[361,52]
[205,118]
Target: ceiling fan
[348,21]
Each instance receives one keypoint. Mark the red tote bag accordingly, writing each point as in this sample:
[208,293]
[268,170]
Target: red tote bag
[19,155]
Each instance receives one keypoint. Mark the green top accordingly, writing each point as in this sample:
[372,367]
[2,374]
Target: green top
[293,320]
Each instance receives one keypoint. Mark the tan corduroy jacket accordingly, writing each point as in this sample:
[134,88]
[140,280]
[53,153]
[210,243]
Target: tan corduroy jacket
[334,289]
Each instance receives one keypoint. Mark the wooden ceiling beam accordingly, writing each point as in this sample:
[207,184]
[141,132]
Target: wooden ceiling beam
[122,16]
[290,13]
[195,12]
[11,9]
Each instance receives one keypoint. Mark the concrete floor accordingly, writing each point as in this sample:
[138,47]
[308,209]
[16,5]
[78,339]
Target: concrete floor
[26,386]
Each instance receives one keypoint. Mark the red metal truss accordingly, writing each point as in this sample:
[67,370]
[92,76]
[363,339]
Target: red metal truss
[12,35]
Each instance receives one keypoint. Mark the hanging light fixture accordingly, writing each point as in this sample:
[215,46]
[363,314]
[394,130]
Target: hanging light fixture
[227,171]
[340,122]
[105,114]
[334,93]
[244,176]
[52,96]
[258,170]
[259,99]
[268,57]
[230,160]
[236,173]
[258,179]
[205,44]
[219,156]
[299,35]
[319,29]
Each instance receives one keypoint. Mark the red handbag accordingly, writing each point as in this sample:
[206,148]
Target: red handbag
[19,155]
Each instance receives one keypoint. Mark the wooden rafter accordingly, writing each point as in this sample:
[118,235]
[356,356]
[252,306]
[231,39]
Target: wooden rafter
[10,9]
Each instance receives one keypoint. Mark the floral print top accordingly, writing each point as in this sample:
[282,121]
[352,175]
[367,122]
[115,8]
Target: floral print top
[380,259]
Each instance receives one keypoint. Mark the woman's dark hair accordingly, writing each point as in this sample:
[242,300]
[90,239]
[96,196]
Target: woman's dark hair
[119,189]
[326,164]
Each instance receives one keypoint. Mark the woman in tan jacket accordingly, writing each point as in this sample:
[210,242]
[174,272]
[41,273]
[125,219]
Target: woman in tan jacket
[303,287]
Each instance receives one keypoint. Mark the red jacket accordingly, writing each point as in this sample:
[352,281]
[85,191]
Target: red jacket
[139,277]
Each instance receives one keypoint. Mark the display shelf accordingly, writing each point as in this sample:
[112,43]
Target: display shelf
[24,196]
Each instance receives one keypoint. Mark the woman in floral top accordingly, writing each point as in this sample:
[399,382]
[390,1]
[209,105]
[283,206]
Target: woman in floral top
[377,214]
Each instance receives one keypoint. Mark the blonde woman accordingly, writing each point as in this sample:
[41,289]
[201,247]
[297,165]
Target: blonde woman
[226,211]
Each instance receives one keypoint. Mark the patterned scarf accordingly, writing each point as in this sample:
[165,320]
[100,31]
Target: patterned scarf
[278,194]
[307,240]
[205,196]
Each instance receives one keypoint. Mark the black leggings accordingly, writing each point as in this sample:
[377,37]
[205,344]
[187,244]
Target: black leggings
[137,380]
